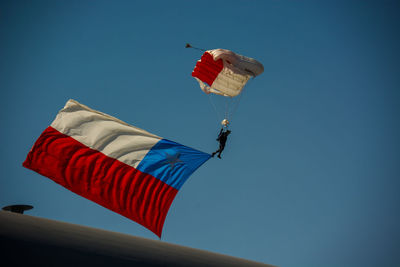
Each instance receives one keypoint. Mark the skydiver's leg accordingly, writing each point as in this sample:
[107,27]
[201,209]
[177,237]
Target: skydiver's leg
[221,148]
[213,154]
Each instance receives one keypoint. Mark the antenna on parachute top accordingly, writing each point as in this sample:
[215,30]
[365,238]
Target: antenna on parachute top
[190,46]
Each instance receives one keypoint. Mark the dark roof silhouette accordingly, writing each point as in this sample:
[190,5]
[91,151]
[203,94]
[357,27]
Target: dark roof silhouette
[31,241]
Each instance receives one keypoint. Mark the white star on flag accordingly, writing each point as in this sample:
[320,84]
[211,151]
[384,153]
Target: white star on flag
[173,159]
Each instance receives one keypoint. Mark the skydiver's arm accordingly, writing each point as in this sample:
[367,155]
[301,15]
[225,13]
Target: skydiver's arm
[219,135]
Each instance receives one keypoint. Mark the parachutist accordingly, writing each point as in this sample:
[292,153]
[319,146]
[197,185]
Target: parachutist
[222,137]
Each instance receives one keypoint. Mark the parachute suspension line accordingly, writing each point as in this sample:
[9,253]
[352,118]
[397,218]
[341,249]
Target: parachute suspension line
[227,104]
[213,105]
[236,105]
[230,107]
[190,46]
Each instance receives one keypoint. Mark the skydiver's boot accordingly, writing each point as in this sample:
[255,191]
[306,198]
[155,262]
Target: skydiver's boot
[213,154]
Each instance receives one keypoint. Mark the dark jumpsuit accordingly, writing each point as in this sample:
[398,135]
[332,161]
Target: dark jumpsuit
[222,137]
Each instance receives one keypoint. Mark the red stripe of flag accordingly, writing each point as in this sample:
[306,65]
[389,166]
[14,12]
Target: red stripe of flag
[104,180]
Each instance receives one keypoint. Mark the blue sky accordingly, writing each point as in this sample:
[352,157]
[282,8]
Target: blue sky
[310,175]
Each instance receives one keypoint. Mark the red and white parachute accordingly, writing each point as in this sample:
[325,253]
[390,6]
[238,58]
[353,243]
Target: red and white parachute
[223,72]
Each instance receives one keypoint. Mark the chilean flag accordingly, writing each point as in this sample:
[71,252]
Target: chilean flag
[121,167]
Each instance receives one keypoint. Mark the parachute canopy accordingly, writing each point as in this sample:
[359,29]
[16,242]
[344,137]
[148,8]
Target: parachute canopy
[223,72]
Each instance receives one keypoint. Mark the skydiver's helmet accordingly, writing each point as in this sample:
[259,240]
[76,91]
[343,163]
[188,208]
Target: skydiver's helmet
[225,122]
